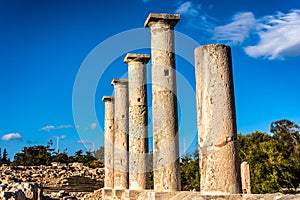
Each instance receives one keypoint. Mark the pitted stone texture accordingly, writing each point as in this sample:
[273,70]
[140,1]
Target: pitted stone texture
[121,133]
[170,19]
[109,141]
[245,175]
[164,102]
[73,179]
[217,136]
[138,121]
[187,195]
[21,191]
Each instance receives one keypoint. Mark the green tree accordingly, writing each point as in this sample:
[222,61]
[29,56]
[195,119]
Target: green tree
[151,172]
[273,159]
[5,159]
[99,154]
[34,155]
[60,157]
[87,159]
[287,138]
[189,171]
[1,157]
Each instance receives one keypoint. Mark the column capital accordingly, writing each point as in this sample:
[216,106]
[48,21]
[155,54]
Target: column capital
[170,19]
[107,98]
[133,57]
[119,81]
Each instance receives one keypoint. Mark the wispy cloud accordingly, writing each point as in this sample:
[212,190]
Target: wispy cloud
[236,31]
[92,126]
[60,137]
[279,36]
[11,136]
[271,37]
[84,142]
[64,126]
[49,128]
[188,8]
[195,16]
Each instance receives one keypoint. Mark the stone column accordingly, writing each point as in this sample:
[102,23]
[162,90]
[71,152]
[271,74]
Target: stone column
[121,133]
[217,134]
[109,142]
[164,102]
[245,174]
[138,121]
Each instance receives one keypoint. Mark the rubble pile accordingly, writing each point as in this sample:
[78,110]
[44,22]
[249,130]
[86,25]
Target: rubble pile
[21,191]
[58,181]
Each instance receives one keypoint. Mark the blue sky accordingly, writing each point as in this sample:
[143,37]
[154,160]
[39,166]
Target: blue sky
[45,46]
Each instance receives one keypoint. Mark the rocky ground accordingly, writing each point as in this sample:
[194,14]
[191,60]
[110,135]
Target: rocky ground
[59,181]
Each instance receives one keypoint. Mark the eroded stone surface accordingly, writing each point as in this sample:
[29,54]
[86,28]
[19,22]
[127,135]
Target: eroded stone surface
[21,191]
[58,180]
[109,141]
[245,175]
[171,19]
[164,102]
[138,121]
[187,195]
[217,137]
[121,133]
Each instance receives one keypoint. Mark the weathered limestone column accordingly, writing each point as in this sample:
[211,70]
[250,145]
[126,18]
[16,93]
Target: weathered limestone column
[138,121]
[109,142]
[217,134]
[245,174]
[164,102]
[121,133]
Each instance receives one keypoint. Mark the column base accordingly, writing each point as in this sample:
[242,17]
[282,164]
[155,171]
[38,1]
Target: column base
[137,194]
[119,193]
[122,194]
[107,193]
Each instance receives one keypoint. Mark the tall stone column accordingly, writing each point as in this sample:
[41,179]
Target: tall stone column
[121,133]
[138,121]
[245,174]
[164,102]
[109,142]
[217,134]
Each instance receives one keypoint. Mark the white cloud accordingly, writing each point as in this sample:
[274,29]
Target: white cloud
[236,31]
[93,126]
[83,142]
[11,136]
[60,137]
[49,128]
[195,17]
[188,8]
[64,127]
[279,36]
[272,37]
